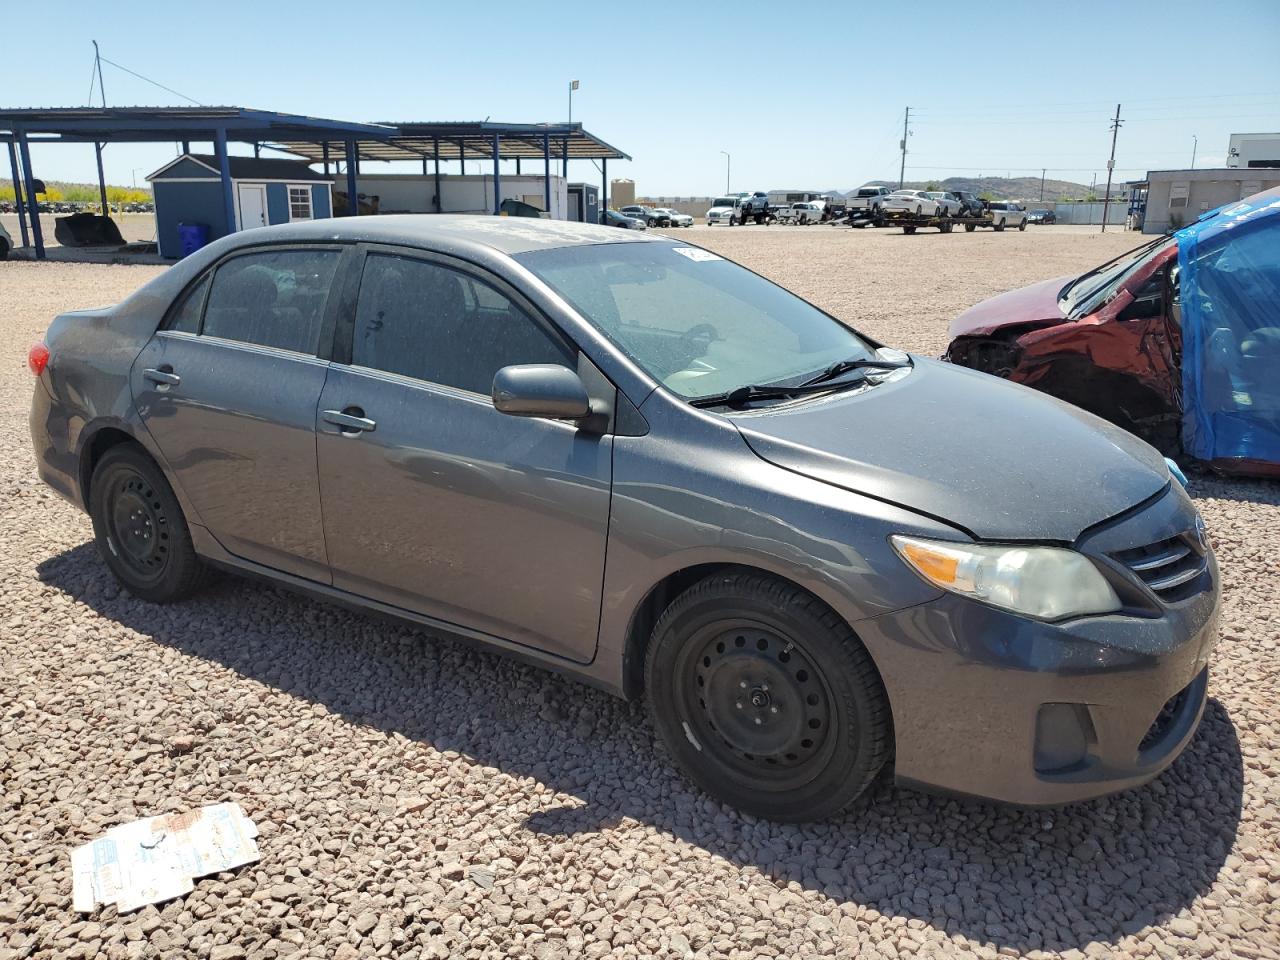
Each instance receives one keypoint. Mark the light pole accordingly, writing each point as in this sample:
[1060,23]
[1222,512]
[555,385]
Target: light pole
[727,161]
[1195,142]
[573,85]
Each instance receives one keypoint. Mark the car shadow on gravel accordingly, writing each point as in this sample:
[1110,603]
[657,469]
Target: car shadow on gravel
[1016,879]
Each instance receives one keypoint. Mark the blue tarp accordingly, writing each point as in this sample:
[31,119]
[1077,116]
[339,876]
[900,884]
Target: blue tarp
[1229,273]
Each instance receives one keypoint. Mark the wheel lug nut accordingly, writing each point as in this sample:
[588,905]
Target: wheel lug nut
[743,684]
[738,704]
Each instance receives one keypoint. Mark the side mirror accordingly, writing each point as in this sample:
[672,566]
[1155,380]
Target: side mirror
[540,390]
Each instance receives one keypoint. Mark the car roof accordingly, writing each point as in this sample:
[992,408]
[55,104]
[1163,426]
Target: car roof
[508,235]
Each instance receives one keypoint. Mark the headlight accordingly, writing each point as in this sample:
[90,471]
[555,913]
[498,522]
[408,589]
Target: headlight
[1048,583]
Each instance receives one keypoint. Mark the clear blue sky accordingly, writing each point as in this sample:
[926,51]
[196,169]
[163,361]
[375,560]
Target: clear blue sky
[817,103]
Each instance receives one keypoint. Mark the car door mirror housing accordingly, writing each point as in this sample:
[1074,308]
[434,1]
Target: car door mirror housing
[541,390]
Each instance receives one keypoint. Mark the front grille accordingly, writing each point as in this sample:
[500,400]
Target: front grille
[1170,568]
[1164,719]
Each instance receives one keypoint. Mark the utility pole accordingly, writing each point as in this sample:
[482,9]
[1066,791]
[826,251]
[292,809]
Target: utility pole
[1195,142]
[1042,172]
[97,147]
[1111,165]
[902,170]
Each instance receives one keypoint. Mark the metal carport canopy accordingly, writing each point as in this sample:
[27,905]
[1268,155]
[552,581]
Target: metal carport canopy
[102,125]
[464,141]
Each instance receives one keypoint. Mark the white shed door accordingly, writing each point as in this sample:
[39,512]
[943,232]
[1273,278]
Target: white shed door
[253,205]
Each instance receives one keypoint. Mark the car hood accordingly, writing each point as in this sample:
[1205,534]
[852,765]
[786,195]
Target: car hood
[1036,305]
[996,459]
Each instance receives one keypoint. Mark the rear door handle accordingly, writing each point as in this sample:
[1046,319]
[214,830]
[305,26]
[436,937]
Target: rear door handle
[167,377]
[350,421]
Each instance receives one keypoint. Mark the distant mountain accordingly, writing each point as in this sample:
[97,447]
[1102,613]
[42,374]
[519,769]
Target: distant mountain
[1001,188]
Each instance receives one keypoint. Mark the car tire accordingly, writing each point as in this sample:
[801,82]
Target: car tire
[919,209]
[1022,225]
[970,227]
[999,226]
[813,729]
[139,527]
[4,250]
[650,222]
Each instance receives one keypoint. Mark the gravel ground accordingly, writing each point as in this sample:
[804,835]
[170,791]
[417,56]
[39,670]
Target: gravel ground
[420,799]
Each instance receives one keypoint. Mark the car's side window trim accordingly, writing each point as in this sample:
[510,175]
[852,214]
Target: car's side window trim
[344,335]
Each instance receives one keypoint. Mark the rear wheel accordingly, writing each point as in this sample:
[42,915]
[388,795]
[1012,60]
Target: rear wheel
[970,227]
[139,527]
[909,228]
[766,699]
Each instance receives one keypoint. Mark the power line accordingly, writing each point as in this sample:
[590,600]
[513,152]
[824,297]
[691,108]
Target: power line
[153,82]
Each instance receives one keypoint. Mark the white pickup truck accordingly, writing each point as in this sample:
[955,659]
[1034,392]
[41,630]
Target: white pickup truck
[867,200]
[1007,214]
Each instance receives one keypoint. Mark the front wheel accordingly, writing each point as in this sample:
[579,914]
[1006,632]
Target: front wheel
[970,227]
[766,699]
[1022,225]
[139,528]
[999,226]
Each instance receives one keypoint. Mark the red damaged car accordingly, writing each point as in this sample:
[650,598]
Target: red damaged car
[1108,340]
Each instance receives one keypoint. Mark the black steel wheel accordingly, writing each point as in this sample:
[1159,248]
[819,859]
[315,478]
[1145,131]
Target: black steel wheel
[766,699]
[970,227]
[139,527]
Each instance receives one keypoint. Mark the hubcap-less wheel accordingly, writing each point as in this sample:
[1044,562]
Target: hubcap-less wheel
[766,709]
[138,529]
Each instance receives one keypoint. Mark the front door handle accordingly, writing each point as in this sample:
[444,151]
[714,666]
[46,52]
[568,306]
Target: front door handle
[350,421]
[166,377]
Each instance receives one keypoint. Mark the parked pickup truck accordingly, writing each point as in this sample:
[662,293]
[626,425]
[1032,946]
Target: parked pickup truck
[868,200]
[1008,214]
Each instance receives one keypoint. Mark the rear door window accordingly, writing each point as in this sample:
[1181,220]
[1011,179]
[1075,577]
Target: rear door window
[272,298]
[424,320]
[185,315]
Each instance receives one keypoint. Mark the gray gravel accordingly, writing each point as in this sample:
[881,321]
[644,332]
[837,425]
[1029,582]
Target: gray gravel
[420,799]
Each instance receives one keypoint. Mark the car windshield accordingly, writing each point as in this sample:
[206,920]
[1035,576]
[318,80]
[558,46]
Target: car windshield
[936,195]
[869,192]
[723,202]
[699,324]
[1086,293]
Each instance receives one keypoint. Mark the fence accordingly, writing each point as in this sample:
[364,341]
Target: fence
[1091,212]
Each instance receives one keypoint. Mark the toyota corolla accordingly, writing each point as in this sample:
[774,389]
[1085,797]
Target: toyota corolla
[631,460]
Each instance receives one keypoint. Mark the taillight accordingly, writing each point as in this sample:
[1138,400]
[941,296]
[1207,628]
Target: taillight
[38,358]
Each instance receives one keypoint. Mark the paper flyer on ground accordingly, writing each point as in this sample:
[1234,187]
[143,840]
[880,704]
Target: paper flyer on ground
[158,858]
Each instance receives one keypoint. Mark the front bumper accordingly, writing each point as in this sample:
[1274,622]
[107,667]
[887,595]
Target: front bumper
[986,703]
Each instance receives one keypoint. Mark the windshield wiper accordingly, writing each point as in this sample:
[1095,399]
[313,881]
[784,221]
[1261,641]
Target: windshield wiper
[744,395]
[1102,266]
[859,363]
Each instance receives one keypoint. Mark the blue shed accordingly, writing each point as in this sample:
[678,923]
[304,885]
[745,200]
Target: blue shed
[266,191]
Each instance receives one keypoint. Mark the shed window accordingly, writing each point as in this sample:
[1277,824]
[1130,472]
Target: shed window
[299,203]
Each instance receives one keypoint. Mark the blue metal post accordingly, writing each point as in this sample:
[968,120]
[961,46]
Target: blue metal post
[435,147]
[324,152]
[17,192]
[497,175]
[102,180]
[546,179]
[224,169]
[353,200]
[33,205]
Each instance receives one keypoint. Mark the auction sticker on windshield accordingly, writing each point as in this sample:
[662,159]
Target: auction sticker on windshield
[697,254]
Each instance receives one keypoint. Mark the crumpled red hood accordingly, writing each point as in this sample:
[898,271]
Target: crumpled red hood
[1036,305]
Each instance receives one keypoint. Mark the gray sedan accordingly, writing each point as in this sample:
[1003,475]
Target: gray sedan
[628,459]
